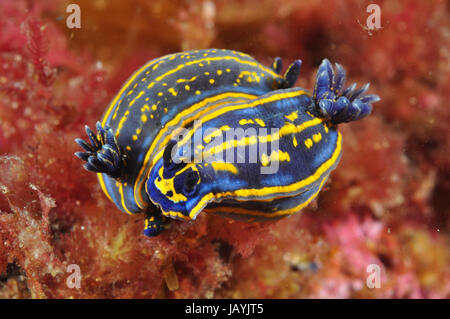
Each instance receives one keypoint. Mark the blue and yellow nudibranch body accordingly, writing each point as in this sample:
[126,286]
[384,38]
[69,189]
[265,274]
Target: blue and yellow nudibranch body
[214,130]
[168,93]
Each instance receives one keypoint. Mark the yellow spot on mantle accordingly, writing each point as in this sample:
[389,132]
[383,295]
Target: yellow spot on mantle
[174,93]
[137,97]
[216,133]
[219,166]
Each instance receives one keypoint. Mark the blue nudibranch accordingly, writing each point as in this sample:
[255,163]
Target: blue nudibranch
[216,131]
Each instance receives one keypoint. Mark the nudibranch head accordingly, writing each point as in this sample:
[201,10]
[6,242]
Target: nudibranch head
[173,184]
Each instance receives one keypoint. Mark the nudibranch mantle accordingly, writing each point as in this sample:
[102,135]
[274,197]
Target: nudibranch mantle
[214,130]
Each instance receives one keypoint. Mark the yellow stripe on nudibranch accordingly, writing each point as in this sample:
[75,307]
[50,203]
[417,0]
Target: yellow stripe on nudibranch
[246,121]
[187,80]
[275,156]
[287,129]
[172,90]
[122,120]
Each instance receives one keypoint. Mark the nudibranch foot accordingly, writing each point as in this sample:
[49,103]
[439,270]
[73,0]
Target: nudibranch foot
[102,154]
[335,104]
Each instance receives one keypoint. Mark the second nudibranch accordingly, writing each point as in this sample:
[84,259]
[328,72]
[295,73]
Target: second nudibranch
[262,159]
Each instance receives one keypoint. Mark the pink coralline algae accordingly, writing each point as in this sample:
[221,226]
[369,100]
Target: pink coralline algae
[386,205]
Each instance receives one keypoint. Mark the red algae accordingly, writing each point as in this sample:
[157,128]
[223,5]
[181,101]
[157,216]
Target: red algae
[386,204]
